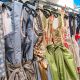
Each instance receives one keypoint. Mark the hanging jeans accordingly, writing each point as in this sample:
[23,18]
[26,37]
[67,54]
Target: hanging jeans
[30,38]
[13,41]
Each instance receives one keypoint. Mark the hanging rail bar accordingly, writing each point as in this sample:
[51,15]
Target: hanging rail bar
[57,5]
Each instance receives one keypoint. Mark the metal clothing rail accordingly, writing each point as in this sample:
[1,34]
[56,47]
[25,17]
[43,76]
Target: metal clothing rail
[57,5]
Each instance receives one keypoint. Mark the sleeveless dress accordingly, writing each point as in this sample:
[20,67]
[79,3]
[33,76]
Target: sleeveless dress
[60,59]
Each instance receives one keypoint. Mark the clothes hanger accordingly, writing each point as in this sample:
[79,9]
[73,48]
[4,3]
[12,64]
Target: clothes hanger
[49,7]
[46,12]
[72,15]
[29,8]
[66,16]
[56,14]
[6,6]
[32,7]
[21,1]
[52,10]
[31,3]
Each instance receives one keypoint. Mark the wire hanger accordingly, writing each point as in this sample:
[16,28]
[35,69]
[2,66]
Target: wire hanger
[53,10]
[4,5]
[29,7]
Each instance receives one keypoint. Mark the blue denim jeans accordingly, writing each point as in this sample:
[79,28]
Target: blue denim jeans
[30,39]
[13,41]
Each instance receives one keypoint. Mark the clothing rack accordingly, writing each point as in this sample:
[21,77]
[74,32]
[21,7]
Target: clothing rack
[57,5]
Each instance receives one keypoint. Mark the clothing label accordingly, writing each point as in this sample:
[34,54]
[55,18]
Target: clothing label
[7,25]
[55,23]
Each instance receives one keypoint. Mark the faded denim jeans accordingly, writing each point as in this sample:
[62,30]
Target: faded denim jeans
[29,41]
[13,41]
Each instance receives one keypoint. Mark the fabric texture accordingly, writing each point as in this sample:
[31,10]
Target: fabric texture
[78,23]
[13,41]
[13,52]
[2,45]
[72,24]
[40,63]
[61,63]
[30,38]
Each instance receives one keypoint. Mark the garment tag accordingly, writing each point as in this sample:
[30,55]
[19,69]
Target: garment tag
[55,23]
[7,24]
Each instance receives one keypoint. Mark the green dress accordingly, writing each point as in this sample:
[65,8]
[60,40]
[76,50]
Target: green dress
[61,63]
[60,59]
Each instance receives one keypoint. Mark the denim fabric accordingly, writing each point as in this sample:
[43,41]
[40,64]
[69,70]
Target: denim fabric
[30,39]
[29,46]
[2,48]
[13,41]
